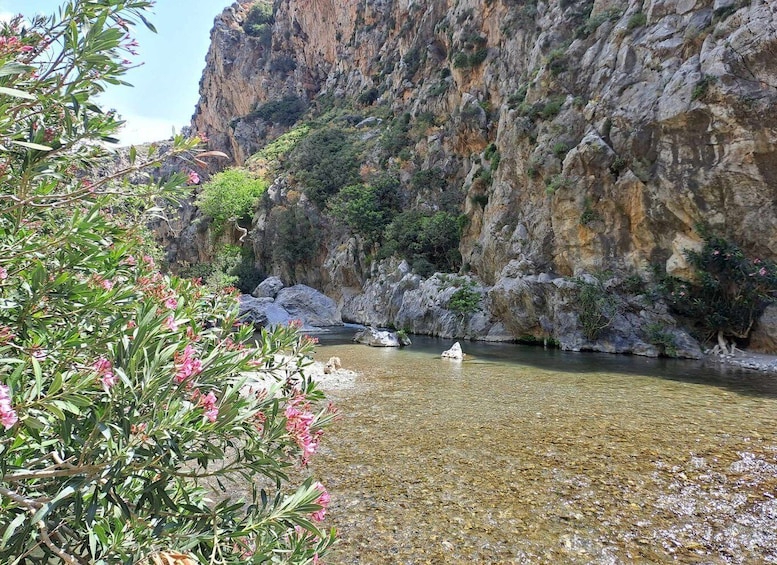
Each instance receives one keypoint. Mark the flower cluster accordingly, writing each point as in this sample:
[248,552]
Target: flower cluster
[299,421]
[104,368]
[186,364]
[208,402]
[323,500]
[8,415]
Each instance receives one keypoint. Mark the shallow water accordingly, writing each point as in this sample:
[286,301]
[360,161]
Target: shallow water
[520,455]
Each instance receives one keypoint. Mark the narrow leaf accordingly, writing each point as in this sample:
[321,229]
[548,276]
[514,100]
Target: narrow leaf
[16,93]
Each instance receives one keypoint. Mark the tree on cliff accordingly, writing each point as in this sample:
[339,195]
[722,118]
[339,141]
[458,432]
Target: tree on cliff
[130,403]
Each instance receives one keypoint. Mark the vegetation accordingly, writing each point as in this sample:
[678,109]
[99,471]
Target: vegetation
[702,87]
[663,339]
[324,162]
[230,196]
[465,301]
[597,308]
[297,237]
[259,22]
[429,241]
[636,20]
[122,390]
[729,293]
[284,112]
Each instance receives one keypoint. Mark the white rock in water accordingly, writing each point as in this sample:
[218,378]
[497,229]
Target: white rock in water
[454,352]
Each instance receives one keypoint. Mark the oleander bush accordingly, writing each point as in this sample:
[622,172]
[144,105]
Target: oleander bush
[138,419]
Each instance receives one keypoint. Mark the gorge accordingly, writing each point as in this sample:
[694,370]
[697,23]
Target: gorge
[549,162]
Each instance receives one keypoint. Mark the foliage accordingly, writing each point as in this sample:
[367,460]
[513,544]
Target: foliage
[659,336]
[123,399]
[594,22]
[730,290]
[636,20]
[284,112]
[230,196]
[430,241]
[297,237]
[465,301]
[395,138]
[271,155]
[557,61]
[259,22]
[358,206]
[324,162]
[597,308]
[702,87]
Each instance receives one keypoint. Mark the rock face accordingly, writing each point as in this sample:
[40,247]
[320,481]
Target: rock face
[618,126]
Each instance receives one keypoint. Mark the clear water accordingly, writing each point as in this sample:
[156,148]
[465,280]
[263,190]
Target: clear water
[521,455]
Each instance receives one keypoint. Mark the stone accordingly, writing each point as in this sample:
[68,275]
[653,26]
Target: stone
[376,338]
[309,305]
[332,365]
[262,312]
[763,339]
[269,287]
[454,352]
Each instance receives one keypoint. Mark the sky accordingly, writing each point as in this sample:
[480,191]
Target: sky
[166,85]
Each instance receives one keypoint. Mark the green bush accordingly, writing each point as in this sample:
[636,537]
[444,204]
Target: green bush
[396,138]
[261,13]
[230,196]
[658,335]
[123,405]
[285,111]
[637,20]
[702,87]
[431,239]
[324,162]
[297,238]
[358,206]
[729,293]
[597,308]
[465,301]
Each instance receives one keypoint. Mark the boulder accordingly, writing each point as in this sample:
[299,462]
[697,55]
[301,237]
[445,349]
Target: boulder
[332,365]
[269,287]
[764,336]
[376,338]
[454,352]
[262,312]
[309,305]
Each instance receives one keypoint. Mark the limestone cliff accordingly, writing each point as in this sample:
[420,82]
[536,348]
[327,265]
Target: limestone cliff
[576,136]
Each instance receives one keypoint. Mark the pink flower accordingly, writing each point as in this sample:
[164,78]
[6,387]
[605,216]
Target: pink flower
[107,285]
[3,274]
[323,500]
[208,402]
[171,303]
[186,365]
[148,260]
[132,325]
[8,416]
[298,423]
[6,334]
[26,49]
[194,178]
[104,368]
[716,252]
[130,260]
[108,380]
[170,324]
[762,271]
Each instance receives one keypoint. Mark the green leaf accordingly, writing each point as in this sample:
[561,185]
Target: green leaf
[16,93]
[29,145]
[14,68]
[15,523]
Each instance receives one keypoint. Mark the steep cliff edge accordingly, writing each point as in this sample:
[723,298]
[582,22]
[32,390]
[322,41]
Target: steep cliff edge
[574,137]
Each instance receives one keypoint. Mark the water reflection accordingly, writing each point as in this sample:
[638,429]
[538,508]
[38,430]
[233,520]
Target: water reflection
[521,455]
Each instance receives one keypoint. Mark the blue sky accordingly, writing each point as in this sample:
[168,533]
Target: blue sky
[166,85]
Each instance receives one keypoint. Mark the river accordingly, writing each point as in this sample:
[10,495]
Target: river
[522,455]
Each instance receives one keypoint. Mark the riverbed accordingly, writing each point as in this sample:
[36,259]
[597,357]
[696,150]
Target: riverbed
[524,455]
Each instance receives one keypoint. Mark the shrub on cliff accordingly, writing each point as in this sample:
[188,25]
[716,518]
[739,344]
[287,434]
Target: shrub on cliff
[729,293]
[125,413]
[230,196]
[324,162]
